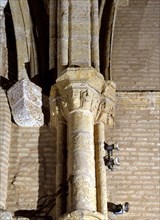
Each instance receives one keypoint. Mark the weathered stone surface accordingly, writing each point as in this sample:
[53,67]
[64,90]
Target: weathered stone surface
[81,98]
[83,215]
[78,34]
[24,40]
[3,46]
[81,163]
[83,88]
[5,215]
[25,99]
[61,166]
[101,180]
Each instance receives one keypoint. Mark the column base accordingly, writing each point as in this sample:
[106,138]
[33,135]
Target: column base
[83,215]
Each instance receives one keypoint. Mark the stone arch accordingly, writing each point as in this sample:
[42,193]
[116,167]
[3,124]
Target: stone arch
[135,57]
[10,58]
[24,37]
[107,18]
[3,51]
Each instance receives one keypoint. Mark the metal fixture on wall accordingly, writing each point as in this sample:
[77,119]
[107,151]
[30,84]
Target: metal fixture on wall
[118,209]
[109,161]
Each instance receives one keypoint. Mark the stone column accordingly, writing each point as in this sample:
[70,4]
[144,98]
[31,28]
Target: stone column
[52,33]
[78,34]
[81,96]
[61,168]
[81,167]
[100,169]
[58,121]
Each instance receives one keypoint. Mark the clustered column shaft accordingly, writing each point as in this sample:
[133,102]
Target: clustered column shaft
[81,167]
[61,169]
[78,34]
[100,171]
[85,102]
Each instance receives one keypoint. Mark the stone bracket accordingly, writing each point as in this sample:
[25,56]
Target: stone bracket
[25,99]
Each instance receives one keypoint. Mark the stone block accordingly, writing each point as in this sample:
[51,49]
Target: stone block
[25,100]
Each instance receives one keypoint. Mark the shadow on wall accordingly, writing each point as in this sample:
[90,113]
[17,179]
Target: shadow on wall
[11,45]
[46,191]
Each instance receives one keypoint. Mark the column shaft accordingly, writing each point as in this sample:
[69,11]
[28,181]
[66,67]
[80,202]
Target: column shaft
[81,162]
[101,180]
[61,169]
[63,34]
[52,33]
[82,98]
[79,33]
[94,35]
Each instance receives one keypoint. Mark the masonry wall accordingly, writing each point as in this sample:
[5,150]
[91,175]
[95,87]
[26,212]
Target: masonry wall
[136,180]
[135,66]
[136,51]
[31,167]
[135,69]
[5,134]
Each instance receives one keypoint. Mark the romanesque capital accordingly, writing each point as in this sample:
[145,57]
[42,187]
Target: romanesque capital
[25,99]
[83,89]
